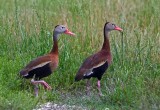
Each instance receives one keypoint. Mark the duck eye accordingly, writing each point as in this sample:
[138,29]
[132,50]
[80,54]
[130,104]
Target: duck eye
[62,27]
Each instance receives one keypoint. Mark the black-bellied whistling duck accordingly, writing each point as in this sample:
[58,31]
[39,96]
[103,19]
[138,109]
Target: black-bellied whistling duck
[96,64]
[44,65]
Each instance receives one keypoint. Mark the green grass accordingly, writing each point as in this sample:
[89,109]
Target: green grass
[131,82]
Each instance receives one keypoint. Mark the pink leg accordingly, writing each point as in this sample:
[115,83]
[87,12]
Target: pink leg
[88,87]
[36,90]
[99,87]
[46,86]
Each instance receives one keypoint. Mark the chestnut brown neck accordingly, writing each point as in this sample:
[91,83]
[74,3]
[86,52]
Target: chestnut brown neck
[55,45]
[106,44]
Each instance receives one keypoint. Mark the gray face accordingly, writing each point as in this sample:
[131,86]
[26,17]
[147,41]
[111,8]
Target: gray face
[60,29]
[110,26]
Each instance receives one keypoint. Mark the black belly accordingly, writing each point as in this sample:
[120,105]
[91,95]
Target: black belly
[98,72]
[40,72]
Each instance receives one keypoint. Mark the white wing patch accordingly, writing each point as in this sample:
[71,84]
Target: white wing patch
[25,74]
[100,64]
[88,73]
[42,64]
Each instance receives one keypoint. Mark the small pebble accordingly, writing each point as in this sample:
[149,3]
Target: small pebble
[53,106]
